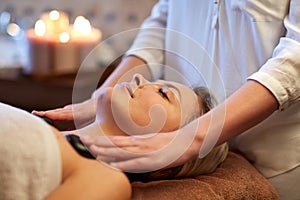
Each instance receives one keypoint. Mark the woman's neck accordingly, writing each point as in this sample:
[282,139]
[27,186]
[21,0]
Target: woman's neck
[109,129]
[98,128]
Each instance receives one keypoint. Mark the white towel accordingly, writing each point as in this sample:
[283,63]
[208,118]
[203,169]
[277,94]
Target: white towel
[30,162]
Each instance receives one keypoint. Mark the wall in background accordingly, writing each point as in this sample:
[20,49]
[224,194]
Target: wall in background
[111,16]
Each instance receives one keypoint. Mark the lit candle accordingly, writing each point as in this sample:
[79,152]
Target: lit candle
[40,53]
[83,32]
[40,28]
[85,36]
[65,55]
[56,47]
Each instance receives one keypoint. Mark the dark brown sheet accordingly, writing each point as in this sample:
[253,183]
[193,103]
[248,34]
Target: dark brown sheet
[236,179]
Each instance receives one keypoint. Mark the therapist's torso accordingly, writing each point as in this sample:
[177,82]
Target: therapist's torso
[234,39]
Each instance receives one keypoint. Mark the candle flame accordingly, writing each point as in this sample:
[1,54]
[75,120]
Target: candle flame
[54,15]
[40,28]
[64,37]
[13,29]
[82,25]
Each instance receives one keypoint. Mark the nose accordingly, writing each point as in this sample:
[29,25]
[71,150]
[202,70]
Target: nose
[139,80]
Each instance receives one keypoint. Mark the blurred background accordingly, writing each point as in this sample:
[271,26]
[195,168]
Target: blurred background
[35,90]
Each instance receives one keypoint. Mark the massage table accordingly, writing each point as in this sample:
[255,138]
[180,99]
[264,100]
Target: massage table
[30,168]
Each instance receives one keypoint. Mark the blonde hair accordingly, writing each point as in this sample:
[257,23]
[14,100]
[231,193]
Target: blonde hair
[198,166]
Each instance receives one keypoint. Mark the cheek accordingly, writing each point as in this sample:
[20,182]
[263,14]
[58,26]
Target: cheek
[139,112]
[173,121]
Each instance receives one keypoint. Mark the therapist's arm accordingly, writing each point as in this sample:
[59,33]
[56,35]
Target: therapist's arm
[247,107]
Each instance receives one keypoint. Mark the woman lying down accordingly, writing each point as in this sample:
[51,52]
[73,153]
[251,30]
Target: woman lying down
[38,163]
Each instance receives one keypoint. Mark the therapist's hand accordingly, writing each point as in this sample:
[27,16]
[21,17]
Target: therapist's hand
[78,115]
[140,154]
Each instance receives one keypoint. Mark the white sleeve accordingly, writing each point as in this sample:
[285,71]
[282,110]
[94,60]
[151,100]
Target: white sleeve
[149,43]
[281,73]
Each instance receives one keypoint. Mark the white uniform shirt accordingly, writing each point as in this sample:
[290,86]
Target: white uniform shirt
[245,39]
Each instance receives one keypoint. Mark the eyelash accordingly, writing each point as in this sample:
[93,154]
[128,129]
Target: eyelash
[163,93]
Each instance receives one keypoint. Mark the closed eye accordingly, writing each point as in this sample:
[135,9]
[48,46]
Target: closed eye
[163,93]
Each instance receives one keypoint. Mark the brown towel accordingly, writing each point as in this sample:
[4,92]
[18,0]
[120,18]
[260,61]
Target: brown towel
[235,179]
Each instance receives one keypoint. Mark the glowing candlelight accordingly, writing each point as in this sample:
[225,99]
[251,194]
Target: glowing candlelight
[13,29]
[64,37]
[82,25]
[54,15]
[40,28]
[56,23]
[57,47]
[83,32]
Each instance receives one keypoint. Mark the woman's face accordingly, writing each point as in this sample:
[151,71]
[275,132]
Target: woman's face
[140,106]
